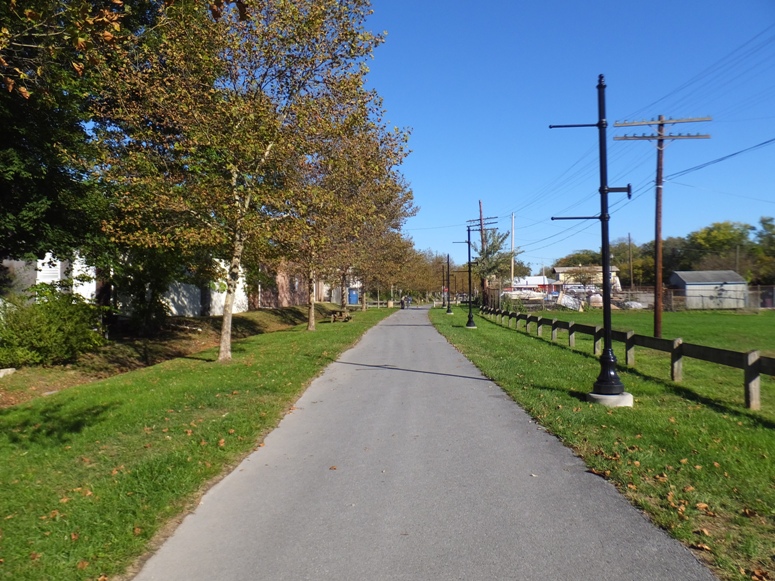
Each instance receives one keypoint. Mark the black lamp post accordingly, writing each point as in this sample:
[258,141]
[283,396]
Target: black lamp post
[608,382]
[470,323]
[449,302]
[443,304]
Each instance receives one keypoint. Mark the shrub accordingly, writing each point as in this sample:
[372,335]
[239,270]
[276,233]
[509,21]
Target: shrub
[47,327]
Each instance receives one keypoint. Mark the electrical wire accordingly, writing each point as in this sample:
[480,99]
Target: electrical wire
[719,160]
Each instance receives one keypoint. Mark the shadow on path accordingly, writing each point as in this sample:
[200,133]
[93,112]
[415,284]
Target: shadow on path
[394,368]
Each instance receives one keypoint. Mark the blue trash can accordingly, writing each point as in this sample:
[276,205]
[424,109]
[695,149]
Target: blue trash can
[352,296]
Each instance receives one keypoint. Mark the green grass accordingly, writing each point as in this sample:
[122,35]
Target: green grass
[89,475]
[738,331]
[181,336]
[689,455]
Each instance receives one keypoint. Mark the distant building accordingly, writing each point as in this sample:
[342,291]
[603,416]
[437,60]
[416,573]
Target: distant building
[534,283]
[593,275]
[710,289]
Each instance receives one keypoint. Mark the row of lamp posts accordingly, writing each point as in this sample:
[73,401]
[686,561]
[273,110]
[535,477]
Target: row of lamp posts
[608,388]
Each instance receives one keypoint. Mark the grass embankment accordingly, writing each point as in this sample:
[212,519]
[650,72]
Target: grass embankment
[91,474]
[690,455]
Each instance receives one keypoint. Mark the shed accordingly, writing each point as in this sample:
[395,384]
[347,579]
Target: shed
[711,289]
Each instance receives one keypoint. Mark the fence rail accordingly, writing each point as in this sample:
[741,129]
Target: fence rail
[752,363]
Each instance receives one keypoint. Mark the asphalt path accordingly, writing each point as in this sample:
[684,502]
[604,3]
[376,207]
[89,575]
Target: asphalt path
[401,462]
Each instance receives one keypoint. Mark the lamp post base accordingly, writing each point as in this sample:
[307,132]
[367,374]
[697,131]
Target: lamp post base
[608,382]
[623,399]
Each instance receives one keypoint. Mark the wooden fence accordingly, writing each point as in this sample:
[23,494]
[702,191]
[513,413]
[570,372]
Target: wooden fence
[752,363]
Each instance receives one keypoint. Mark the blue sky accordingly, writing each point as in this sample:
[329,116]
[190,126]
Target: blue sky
[479,83]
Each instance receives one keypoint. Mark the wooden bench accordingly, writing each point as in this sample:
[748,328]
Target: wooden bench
[343,316]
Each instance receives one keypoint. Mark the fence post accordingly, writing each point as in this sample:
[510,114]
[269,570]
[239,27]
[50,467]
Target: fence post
[598,349]
[752,383]
[540,326]
[571,334]
[676,361]
[554,330]
[629,346]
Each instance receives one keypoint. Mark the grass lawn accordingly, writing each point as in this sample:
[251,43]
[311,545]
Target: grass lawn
[690,455]
[738,331]
[89,475]
[181,336]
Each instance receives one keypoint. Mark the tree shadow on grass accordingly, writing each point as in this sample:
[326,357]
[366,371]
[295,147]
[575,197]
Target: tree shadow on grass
[690,394]
[52,424]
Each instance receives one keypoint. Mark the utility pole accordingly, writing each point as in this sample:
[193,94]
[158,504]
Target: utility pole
[629,250]
[481,226]
[449,301]
[470,227]
[511,281]
[484,282]
[660,138]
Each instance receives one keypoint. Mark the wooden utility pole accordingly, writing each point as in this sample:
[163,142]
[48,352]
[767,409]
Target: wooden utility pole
[660,137]
[481,226]
[512,250]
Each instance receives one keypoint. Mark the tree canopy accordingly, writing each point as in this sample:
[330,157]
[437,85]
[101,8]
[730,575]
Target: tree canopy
[746,249]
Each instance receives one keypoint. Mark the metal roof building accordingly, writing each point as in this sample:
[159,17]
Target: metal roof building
[711,289]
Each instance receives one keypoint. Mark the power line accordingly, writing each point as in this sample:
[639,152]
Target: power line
[719,160]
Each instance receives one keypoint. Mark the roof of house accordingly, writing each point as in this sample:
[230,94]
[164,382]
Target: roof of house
[592,268]
[708,276]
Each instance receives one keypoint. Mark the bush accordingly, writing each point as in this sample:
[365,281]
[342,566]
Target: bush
[47,327]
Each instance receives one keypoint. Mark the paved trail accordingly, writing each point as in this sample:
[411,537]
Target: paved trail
[401,462]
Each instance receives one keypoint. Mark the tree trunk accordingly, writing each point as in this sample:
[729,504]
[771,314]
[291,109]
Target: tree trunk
[363,297]
[344,290]
[228,304]
[311,295]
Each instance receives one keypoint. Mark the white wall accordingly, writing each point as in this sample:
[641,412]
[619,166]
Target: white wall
[184,300]
[217,299]
[716,296]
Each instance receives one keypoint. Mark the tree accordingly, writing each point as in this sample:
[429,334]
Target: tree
[764,252]
[492,260]
[48,53]
[580,258]
[717,239]
[202,121]
[521,269]
[582,276]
